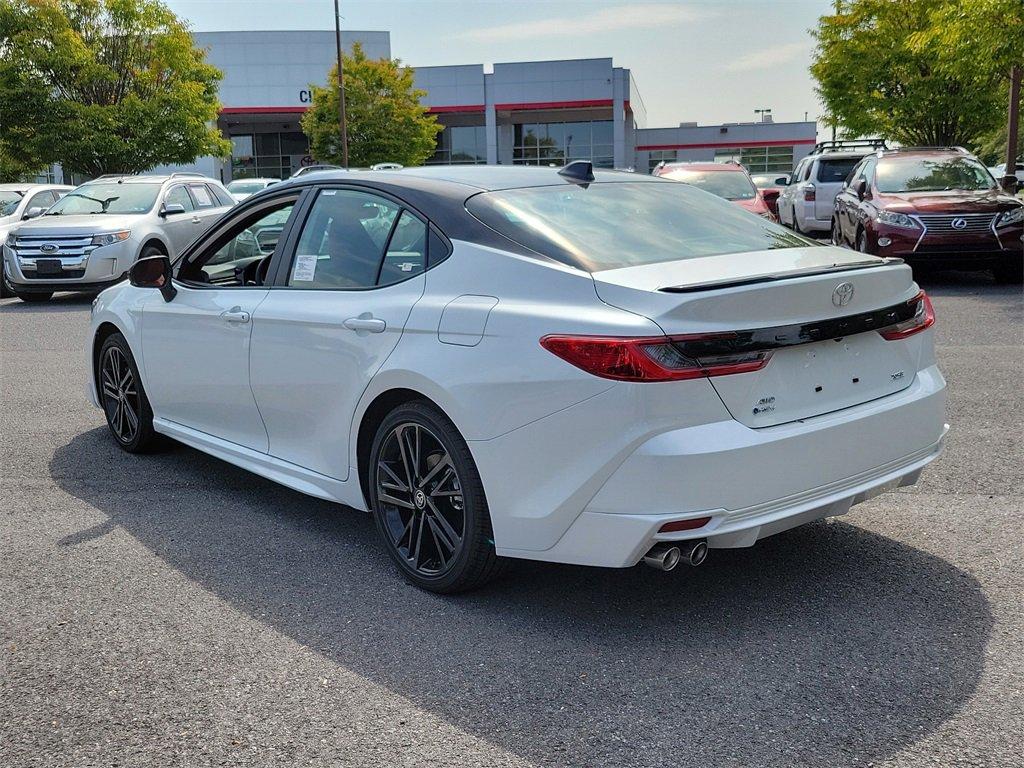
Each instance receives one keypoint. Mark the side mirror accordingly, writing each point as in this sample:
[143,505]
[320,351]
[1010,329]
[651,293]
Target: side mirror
[33,212]
[770,194]
[861,188]
[172,209]
[782,181]
[153,272]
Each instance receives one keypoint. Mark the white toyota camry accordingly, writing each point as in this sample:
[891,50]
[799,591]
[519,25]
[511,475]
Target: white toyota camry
[498,362]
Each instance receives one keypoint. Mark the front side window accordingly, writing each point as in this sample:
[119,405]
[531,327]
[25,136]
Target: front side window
[932,174]
[102,198]
[343,240]
[179,196]
[732,185]
[40,200]
[623,224]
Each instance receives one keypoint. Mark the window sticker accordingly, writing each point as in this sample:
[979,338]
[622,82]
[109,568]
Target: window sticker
[202,195]
[305,268]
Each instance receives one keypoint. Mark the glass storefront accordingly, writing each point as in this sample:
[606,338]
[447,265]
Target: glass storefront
[759,159]
[460,145]
[267,155]
[558,143]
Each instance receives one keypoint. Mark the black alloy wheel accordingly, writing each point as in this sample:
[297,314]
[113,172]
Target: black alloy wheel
[123,398]
[428,501]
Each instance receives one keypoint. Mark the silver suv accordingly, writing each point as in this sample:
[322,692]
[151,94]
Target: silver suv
[21,202]
[89,239]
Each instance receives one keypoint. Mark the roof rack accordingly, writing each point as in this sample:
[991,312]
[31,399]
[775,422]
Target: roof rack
[192,174]
[846,145]
[961,150]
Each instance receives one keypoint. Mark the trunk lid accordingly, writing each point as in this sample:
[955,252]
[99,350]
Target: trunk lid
[789,294]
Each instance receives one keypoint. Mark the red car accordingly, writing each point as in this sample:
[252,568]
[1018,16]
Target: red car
[936,207]
[727,180]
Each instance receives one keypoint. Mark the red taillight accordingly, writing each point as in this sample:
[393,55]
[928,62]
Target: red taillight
[657,358]
[809,193]
[924,317]
[684,525]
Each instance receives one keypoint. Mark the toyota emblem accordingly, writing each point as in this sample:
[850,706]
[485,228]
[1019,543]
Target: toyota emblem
[843,294]
[49,248]
[958,223]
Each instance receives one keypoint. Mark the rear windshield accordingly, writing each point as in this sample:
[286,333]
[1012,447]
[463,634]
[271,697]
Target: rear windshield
[611,225]
[935,174]
[836,169]
[107,198]
[732,185]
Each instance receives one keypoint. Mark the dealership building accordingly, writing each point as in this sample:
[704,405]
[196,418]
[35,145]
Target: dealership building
[532,113]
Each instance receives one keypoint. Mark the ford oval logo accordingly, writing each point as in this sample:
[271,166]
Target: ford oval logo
[843,294]
[958,223]
[49,248]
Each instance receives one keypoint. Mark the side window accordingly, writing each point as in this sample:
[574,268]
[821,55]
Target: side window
[868,172]
[179,195]
[202,196]
[407,250]
[342,241]
[795,178]
[40,200]
[222,195]
[807,171]
[854,174]
[240,255]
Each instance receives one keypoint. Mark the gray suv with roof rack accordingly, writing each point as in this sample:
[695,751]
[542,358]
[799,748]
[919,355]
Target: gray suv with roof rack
[88,239]
[806,204]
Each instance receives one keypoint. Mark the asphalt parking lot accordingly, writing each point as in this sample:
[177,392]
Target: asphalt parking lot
[172,610]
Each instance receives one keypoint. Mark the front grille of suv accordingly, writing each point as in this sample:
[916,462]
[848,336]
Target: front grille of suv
[74,248]
[942,223]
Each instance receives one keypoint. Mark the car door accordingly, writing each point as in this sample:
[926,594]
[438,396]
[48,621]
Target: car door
[786,197]
[846,202]
[181,228]
[859,208]
[208,208]
[337,310]
[197,345]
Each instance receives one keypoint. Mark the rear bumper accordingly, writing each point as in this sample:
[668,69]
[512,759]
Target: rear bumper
[751,482]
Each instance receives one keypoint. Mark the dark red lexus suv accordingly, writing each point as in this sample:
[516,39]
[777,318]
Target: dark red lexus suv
[931,207]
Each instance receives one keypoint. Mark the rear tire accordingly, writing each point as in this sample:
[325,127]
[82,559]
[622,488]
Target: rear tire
[428,502]
[120,392]
[34,298]
[1010,271]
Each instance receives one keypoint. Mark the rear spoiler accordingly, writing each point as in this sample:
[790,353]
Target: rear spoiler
[715,284]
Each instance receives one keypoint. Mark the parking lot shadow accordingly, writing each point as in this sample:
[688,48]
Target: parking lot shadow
[827,645]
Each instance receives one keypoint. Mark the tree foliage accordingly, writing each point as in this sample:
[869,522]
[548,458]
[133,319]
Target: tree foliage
[384,117]
[104,86]
[15,168]
[917,71]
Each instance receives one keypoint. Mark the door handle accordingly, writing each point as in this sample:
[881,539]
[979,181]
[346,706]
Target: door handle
[196,220]
[369,324]
[235,315]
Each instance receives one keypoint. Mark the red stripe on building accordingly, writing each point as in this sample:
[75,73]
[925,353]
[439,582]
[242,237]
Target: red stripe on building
[529,105]
[262,110]
[729,144]
[456,108]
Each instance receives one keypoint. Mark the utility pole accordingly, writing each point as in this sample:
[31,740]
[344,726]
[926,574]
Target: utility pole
[1012,128]
[341,87]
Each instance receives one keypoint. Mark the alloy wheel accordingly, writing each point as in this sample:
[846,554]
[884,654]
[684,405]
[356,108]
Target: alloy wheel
[420,496]
[120,395]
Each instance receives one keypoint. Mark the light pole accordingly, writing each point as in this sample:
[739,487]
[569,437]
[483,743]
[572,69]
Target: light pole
[763,112]
[341,87]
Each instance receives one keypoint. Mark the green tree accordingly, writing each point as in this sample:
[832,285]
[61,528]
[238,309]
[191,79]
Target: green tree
[104,86]
[889,69]
[14,168]
[384,117]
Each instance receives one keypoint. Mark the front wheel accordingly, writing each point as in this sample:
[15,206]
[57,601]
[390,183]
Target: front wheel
[862,242]
[5,292]
[837,233]
[428,502]
[123,398]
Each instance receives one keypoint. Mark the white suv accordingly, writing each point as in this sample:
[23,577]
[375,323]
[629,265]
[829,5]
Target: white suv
[21,202]
[89,239]
[807,203]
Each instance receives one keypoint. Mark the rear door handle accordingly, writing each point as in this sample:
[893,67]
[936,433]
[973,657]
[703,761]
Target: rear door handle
[369,324]
[196,220]
[235,316]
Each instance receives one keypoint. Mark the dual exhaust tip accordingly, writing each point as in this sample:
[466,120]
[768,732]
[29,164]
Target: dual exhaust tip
[666,556]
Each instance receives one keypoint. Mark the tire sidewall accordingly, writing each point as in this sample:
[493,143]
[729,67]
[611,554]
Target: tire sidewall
[144,434]
[477,523]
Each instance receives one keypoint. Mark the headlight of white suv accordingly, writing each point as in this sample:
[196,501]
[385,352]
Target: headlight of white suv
[894,219]
[110,238]
[1014,216]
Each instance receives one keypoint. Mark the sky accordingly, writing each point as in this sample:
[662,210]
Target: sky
[710,61]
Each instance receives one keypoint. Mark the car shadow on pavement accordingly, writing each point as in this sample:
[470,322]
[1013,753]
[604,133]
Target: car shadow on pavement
[821,646]
[61,302]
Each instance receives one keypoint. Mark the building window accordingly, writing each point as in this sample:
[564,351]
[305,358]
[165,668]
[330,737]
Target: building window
[267,155]
[759,159]
[656,156]
[461,145]
[560,143]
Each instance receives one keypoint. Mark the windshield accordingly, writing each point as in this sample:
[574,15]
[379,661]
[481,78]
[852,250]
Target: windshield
[732,185]
[939,174]
[9,202]
[624,224]
[107,198]
[246,187]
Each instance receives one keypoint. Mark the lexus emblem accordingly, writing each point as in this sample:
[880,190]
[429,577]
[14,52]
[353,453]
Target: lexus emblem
[958,223]
[843,294]
[49,248]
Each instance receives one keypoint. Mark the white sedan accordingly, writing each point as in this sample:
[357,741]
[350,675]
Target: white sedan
[498,362]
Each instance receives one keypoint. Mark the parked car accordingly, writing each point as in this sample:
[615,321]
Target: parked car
[806,204]
[938,207]
[313,168]
[999,172]
[241,189]
[726,180]
[87,240]
[566,365]
[770,185]
[21,202]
